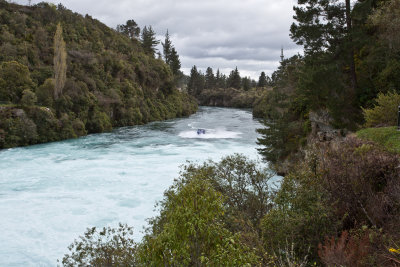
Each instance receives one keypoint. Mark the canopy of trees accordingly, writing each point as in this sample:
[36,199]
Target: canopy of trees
[66,75]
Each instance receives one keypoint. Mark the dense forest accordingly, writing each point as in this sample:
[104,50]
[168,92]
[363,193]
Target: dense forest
[338,203]
[63,75]
[227,91]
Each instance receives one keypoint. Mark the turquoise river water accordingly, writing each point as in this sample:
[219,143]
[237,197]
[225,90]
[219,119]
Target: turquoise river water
[50,193]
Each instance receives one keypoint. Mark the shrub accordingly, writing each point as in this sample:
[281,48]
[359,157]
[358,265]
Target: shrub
[45,93]
[348,250]
[190,230]
[28,98]
[108,247]
[14,79]
[385,111]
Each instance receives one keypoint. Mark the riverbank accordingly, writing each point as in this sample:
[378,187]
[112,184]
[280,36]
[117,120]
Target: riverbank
[28,125]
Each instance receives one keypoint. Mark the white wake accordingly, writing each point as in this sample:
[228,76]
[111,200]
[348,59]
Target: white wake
[210,134]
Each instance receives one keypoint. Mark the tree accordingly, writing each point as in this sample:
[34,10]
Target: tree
[149,41]
[234,79]
[130,29]
[45,93]
[209,79]
[14,79]
[262,80]
[386,19]
[326,26]
[220,80]
[108,247]
[196,82]
[171,56]
[190,230]
[167,48]
[246,83]
[28,98]
[175,63]
[60,62]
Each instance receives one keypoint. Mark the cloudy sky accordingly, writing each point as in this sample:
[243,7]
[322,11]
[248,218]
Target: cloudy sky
[221,34]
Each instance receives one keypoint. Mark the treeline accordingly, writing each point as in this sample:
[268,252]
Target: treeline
[199,81]
[63,75]
[227,91]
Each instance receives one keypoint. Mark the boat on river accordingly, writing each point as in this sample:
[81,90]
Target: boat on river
[201,131]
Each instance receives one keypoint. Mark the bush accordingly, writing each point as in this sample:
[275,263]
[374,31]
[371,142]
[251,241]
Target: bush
[385,111]
[28,98]
[108,247]
[14,79]
[190,230]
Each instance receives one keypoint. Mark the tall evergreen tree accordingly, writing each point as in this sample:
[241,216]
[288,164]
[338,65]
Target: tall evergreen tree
[196,82]
[209,79]
[149,41]
[220,80]
[246,83]
[60,62]
[234,79]
[167,48]
[171,56]
[326,26]
[174,62]
[262,80]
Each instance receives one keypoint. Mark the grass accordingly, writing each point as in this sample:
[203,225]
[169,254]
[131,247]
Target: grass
[387,137]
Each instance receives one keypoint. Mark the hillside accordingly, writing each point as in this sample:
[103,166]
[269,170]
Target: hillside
[110,80]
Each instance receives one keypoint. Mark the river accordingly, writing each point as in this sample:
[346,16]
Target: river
[50,193]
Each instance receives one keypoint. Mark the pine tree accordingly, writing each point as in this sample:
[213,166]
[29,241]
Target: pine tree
[262,80]
[60,62]
[209,79]
[196,82]
[174,63]
[246,83]
[167,48]
[149,41]
[220,80]
[325,26]
[234,79]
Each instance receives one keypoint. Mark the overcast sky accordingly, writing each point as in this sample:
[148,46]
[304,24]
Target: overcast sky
[217,33]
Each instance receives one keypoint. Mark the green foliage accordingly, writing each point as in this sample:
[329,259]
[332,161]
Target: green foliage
[234,79]
[149,41]
[98,122]
[262,80]
[28,98]
[45,93]
[108,247]
[387,137]
[130,29]
[385,112]
[111,82]
[14,79]
[387,19]
[16,128]
[190,230]
[300,216]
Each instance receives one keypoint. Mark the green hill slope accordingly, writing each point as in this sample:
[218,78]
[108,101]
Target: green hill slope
[110,80]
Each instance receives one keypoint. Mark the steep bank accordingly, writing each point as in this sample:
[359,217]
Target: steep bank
[110,80]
